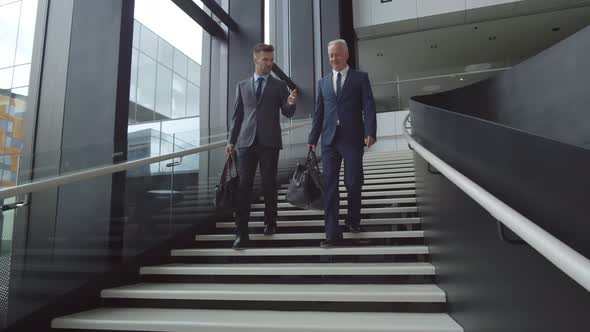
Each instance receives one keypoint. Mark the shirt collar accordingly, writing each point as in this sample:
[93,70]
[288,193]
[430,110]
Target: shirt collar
[256,76]
[343,72]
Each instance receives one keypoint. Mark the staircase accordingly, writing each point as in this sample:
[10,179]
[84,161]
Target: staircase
[380,281]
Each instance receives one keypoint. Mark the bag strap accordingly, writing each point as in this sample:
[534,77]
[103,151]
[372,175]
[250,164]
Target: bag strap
[233,162]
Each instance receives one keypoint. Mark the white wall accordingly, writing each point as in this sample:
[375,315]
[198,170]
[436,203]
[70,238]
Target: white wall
[371,17]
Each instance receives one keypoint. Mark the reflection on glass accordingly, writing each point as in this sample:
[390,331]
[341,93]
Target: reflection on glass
[26,32]
[165,53]
[133,83]
[178,97]
[194,72]
[180,63]
[146,86]
[6,78]
[148,43]
[21,76]
[163,91]
[9,18]
[192,100]
[24,91]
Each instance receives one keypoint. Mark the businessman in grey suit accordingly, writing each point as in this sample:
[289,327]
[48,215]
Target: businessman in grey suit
[256,131]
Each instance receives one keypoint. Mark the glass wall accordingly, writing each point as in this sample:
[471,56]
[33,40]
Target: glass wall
[17,28]
[165,83]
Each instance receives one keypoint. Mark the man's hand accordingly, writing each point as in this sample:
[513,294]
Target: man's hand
[229,149]
[370,140]
[292,98]
[311,147]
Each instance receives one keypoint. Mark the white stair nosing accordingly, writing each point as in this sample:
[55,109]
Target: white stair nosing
[320,223]
[301,269]
[363,202]
[313,236]
[366,194]
[190,320]
[301,251]
[290,213]
[421,293]
[373,187]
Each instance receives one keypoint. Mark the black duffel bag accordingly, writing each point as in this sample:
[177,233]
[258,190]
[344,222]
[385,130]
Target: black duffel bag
[226,192]
[305,187]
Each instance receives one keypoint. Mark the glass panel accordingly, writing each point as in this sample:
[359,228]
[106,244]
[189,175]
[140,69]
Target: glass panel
[134,69]
[148,42]
[136,32]
[26,32]
[180,63]
[9,18]
[192,100]
[146,86]
[21,76]
[24,91]
[194,72]
[164,91]
[178,97]
[6,78]
[386,98]
[165,53]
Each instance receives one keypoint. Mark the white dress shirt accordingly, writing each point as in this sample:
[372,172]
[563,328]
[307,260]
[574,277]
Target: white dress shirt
[335,78]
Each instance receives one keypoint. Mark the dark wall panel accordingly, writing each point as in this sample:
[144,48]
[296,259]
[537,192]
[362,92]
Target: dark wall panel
[491,285]
[546,95]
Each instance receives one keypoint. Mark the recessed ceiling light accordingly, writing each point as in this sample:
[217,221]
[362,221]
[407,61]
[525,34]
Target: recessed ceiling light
[461,79]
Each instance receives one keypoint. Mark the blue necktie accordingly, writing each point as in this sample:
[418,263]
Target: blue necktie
[259,88]
[338,85]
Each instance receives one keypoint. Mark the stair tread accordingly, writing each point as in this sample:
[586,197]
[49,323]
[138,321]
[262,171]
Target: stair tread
[280,292]
[185,320]
[287,269]
[313,236]
[320,222]
[303,251]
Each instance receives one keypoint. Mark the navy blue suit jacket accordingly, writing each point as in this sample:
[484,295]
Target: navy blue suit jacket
[354,108]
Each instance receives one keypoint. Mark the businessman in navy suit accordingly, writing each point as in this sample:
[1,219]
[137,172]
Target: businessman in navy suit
[346,120]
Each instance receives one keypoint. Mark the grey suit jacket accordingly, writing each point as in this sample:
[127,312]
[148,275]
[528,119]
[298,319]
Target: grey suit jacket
[260,119]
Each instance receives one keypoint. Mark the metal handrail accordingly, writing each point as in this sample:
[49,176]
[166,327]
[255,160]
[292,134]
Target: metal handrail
[571,262]
[110,169]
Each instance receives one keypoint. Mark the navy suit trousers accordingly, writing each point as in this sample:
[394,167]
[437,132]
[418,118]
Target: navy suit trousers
[332,156]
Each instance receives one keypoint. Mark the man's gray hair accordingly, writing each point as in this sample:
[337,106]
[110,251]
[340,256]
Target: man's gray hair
[338,42]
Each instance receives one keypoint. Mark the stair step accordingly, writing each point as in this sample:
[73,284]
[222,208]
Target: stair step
[302,251]
[367,194]
[190,320]
[283,213]
[368,187]
[384,175]
[314,236]
[282,292]
[293,269]
[344,203]
[320,223]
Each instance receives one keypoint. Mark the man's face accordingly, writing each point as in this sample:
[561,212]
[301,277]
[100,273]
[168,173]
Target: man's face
[263,62]
[338,56]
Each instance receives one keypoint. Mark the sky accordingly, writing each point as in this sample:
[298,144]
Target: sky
[170,23]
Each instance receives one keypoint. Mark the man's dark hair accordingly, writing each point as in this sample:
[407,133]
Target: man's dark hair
[262,48]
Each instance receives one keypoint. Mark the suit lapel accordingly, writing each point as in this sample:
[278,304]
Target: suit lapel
[250,87]
[346,81]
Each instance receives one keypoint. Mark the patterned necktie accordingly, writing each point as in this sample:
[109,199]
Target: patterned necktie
[259,88]
[338,85]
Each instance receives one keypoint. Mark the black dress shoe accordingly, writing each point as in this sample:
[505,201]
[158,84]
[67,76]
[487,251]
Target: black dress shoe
[330,243]
[241,243]
[270,229]
[353,228]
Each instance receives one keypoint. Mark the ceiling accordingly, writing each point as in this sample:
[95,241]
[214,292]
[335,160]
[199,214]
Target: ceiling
[484,45]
